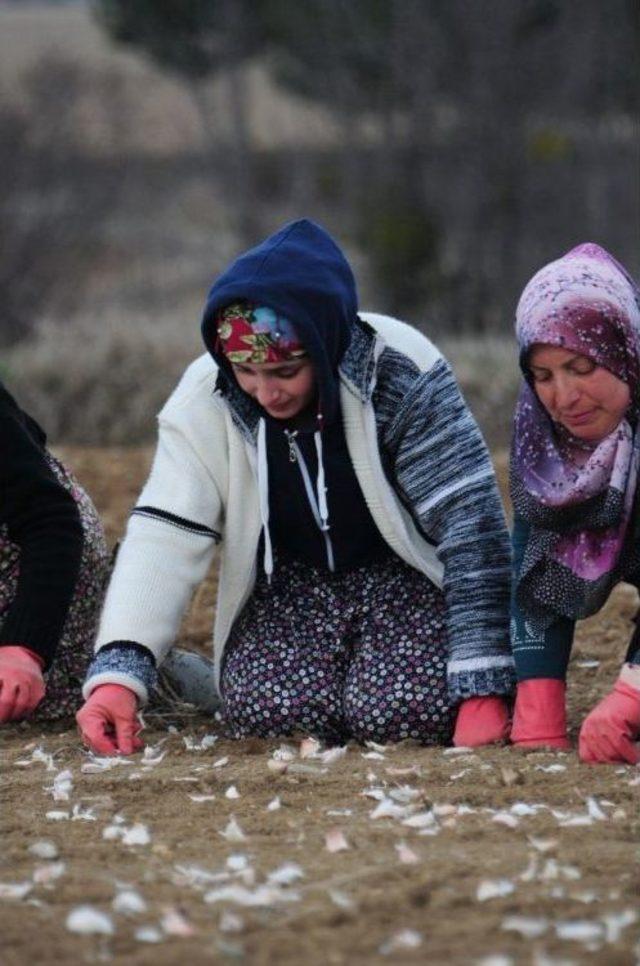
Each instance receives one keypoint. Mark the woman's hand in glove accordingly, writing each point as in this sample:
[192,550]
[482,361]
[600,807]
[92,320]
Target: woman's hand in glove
[108,721]
[610,732]
[22,686]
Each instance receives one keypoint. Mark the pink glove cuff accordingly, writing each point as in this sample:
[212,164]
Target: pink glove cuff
[630,676]
[22,686]
[19,650]
[539,716]
[631,699]
[481,721]
[120,695]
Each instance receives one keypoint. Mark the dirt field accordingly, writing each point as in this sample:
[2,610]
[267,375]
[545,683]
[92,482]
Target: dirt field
[204,850]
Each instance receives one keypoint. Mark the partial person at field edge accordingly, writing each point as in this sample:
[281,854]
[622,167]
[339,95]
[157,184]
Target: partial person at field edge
[574,486]
[53,571]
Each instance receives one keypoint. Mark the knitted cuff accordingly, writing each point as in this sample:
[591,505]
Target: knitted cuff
[128,664]
[480,683]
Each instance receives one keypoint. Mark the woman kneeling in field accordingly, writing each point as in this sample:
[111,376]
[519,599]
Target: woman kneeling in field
[365,568]
[574,483]
[53,571]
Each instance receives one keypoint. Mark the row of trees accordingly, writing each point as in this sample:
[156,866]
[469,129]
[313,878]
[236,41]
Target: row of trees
[497,87]
[475,139]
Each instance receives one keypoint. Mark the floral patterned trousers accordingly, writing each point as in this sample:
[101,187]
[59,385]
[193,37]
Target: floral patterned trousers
[361,654]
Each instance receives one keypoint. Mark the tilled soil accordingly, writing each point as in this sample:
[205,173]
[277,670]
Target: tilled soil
[206,850]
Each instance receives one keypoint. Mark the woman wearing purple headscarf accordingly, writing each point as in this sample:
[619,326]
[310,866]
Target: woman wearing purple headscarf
[574,486]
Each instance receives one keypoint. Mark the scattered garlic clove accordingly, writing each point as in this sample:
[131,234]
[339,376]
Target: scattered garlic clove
[335,840]
[148,934]
[138,834]
[174,923]
[493,889]
[285,874]
[406,855]
[232,831]
[528,926]
[44,849]
[230,922]
[309,747]
[89,921]
[129,902]
[15,890]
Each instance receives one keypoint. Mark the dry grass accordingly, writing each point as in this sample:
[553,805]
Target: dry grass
[102,381]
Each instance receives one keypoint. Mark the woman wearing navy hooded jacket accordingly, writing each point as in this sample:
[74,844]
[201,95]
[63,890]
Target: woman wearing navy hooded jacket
[365,564]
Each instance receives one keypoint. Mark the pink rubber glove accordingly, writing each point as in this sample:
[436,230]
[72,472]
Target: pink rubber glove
[108,721]
[21,683]
[608,732]
[540,717]
[481,721]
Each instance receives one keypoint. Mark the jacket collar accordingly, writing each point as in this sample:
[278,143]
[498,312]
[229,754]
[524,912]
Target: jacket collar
[357,370]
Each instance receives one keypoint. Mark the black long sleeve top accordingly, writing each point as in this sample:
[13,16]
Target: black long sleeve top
[42,519]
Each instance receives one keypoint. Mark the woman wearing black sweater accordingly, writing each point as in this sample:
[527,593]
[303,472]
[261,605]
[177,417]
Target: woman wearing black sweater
[53,568]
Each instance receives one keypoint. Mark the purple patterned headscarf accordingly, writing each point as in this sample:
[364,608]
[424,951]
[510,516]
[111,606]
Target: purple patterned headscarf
[577,497]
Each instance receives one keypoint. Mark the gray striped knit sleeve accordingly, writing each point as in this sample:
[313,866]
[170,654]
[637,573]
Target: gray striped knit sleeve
[123,662]
[440,467]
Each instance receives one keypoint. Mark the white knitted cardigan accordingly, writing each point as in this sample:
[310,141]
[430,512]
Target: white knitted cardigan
[202,491]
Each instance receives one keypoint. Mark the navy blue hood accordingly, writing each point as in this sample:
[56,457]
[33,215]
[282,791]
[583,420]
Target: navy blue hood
[300,273]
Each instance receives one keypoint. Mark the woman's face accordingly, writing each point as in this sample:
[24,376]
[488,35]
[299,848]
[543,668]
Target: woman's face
[283,389]
[588,400]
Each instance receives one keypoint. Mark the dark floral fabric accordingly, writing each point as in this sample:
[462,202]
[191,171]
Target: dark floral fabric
[361,655]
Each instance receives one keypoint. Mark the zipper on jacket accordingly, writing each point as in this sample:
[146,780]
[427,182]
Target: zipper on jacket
[313,503]
[291,440]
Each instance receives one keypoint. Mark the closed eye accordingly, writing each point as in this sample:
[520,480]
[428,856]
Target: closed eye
[286,373]
[578,366]
[582,366]
[540,375]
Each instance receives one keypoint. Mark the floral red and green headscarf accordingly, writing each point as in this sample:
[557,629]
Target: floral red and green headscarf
[256,334]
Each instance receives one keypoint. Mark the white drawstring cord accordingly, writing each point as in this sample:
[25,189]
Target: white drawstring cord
[321,515]
[323,508]
[318,504]
[263,494]
[322,489]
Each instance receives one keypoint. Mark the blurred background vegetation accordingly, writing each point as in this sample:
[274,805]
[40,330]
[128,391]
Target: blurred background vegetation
[451,146]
